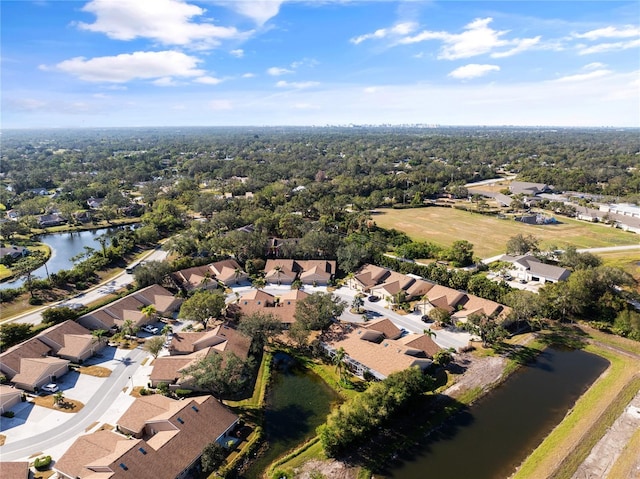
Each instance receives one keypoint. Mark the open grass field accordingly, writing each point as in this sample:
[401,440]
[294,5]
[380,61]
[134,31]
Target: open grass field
[628,261]
[489,235]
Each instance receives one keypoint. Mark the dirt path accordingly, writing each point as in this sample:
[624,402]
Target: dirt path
[480,373]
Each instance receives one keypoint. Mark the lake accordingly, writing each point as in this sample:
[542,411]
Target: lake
[64,246]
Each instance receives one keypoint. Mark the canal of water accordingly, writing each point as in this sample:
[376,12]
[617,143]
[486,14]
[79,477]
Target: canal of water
[494,436]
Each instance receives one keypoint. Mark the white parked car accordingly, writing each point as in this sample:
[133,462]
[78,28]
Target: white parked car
[50,388]
[150,329]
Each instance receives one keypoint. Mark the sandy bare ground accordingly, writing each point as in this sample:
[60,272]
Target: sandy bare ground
[480,373]
[329,469]
[605,453]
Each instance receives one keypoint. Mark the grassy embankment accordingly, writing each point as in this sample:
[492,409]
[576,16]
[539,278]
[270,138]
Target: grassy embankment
[489,234]
[567,446]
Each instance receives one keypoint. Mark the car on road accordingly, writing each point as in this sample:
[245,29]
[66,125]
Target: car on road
[150,329]
[50,388]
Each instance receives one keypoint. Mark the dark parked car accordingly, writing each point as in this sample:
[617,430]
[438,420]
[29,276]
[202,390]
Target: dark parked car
[373,298]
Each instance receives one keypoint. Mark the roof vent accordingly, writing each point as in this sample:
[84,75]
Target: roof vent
[124,466]
[179,419]
[195,408]
[141,449]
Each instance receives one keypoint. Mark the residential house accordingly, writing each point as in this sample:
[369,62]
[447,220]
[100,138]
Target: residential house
[440,297]
[385,327]
[9,397]
[168,438]
[394,287]
[280,271]
[316,272]
[368,276]
[471,304]
[29,366]
[129,308]
[95,203]
[198,277]
[369,351]
[228,272]
[13,251]
[54,219]
[257,301]
[187,348]
[530,268]
[70,340]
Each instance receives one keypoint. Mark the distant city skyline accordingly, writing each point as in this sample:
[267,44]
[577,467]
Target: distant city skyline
[125,63]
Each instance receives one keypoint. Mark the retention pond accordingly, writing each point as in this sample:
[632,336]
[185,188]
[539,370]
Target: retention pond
[494,436]
[298,401]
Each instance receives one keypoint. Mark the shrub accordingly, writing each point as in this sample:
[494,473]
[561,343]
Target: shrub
[182,392]
[8,414]
[143,392]
[42,463]
[35,301]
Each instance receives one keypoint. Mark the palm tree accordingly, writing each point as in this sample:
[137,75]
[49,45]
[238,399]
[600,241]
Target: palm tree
[428,332]
[128,328]
[278,270]
[98,336]
[338,361]
[259,283]
[236,274]
[150,311]
[58,398]
[167,330]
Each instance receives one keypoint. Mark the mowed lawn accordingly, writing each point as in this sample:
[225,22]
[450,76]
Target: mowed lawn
[489,234]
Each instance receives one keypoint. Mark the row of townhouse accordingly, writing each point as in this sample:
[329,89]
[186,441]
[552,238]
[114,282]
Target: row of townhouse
[130,308]
[389,285]
[46,357]
[276,271]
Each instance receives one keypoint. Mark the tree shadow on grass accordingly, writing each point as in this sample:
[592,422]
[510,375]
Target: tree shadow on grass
[567,336]
[517,352]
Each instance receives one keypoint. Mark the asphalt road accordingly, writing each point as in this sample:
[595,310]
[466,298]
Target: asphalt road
[77,425]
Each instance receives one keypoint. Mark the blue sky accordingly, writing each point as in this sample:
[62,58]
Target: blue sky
[272,62]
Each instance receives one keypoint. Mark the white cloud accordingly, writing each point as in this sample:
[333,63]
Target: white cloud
[305,62]
[165,21]
[476,39]
[628,31]
[473,70]
[248,75]
[580,77]
[260,11]
[238,53]
[132,66]
[594,66]
[397,30]
[208,80]
[296,85]
[165,81]
[371,89]
[607,47]
[276,71]
[220,105]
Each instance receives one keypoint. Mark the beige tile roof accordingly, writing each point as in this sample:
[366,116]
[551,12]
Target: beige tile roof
[142,410]
[222,338]
[386,357]
[384,326]
[55,335]
[34,370]
[168,368]
[225,271]
[419,289]
[370,275]
[14,470]
[85,450]
[161,298]
[421,342]
[192,278]
[8,394]
[473,304]
[444,297]
[287,273]
[180,439]
[76,345]
[11,359]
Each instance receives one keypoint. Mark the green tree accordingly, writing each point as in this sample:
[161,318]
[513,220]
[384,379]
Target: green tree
[338,361]
[489,331]
[521,244]
[442,357]
[440,316]
[317,311]
[213,456]
[13,333]
[220,376]
[461,253]
[98,336]
[202,306]
[261,328]
[152,272]
[154,345]
[129,328]
[58,315]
